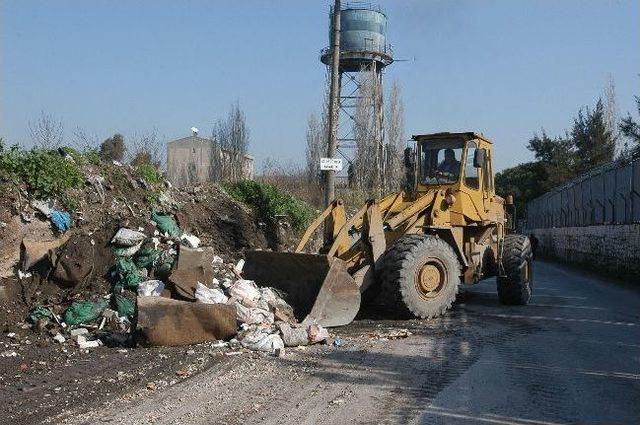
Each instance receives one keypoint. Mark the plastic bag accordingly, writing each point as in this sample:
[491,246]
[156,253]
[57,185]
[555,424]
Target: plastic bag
[191,241]
[84,311]
[128,273]
[260,340]
[127,237]
[126,251]
[253,316]
[166,224]
[245,290]
[61,219]
[208,295]
[39,313]
[125,306]
[150,288]
[293,336]
[146,256]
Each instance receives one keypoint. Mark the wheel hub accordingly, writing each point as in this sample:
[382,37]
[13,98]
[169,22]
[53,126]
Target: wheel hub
[430,280]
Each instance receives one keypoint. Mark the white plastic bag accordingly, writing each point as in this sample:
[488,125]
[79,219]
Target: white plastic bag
[128,237]
[261,340]
[208,295]
[150,288]
[245,290]
[253,316]
[191,241]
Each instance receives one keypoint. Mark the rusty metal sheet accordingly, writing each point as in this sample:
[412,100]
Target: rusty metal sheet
[163,321]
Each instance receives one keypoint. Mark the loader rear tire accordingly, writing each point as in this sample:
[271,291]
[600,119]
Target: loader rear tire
[515,287]
[420,276]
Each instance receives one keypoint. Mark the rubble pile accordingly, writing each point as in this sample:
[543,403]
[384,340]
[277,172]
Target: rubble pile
[132,264]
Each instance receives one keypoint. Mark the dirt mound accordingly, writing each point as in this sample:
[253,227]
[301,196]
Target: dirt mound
[112,197]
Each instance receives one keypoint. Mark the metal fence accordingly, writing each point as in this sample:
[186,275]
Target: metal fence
[607,195]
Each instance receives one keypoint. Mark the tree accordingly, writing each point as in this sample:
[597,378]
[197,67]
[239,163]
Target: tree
[112,149]
[46,132]
[147,149]
[555,158]
[232,138]
[523,182]
[594,143]
[316,136]
[631,129]
[369,159]
[395,141]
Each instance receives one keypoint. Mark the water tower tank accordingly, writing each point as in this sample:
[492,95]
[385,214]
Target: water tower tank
[363,39]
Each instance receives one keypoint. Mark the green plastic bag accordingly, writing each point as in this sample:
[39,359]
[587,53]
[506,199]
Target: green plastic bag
[39,313]
[84,311]
[128,273]
[125,306]
[166,223]
[145,257]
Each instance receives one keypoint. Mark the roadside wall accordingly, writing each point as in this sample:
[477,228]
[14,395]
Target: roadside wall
[613,250]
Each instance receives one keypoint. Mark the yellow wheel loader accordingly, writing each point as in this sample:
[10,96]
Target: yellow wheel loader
[413,249]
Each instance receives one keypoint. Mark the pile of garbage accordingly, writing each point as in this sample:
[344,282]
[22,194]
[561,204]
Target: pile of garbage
[166,289]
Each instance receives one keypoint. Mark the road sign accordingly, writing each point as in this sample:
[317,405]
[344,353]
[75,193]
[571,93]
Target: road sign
[334,164]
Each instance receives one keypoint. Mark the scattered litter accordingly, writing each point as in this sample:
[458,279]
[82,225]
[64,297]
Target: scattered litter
[317,333]
[79,331]
[253,316]
[11,335]
[150,288]
[127,237]
[84,343]
[338,342]
[245,290]
[208,295]
[9,353]
[84,312]
[23,275]
[217,260]
[190,240]
[166,224]
[45,207]
[59,338]
[260,340]
[293,336]
[39,313]
[239,266]
[61,220]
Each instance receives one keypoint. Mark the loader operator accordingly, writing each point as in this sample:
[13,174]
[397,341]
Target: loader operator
[450,166]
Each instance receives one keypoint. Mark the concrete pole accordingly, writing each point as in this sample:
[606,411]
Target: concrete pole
[334,98]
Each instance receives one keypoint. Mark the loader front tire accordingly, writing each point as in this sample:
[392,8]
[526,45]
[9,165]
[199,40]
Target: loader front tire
[420,276]
[515,286]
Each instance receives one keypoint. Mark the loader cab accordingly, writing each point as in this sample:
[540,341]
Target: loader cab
[459,163]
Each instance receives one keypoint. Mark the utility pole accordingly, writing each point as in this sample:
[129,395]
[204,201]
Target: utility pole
[330,175]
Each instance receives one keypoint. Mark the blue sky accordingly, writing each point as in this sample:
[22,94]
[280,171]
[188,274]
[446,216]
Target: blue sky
[502,67]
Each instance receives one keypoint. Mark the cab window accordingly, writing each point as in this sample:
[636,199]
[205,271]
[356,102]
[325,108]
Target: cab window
[440,161]
[470,172]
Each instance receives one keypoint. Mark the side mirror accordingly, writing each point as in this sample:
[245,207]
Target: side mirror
[479,158]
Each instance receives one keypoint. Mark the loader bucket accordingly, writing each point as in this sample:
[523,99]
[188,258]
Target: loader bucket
[318,287]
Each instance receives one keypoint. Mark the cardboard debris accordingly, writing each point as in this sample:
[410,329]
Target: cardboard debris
[163,321]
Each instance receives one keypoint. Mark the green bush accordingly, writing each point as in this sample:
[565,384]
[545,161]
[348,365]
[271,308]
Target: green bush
[46,173]
[269,202]
[149,173]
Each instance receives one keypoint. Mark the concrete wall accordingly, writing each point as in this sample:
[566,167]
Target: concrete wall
[613,250]
[190,160]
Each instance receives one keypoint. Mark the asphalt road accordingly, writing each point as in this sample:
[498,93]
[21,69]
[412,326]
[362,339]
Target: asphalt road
[571,356]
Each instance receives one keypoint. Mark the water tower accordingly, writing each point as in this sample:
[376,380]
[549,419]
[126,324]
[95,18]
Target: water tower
[364,54]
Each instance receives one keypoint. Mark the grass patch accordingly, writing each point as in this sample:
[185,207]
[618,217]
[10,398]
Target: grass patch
[269,202]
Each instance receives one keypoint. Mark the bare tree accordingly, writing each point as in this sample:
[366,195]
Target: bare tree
[232,137]
[84,141]
[316,140]
[146,148]
[368,163]
[46,132]
[395,142]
